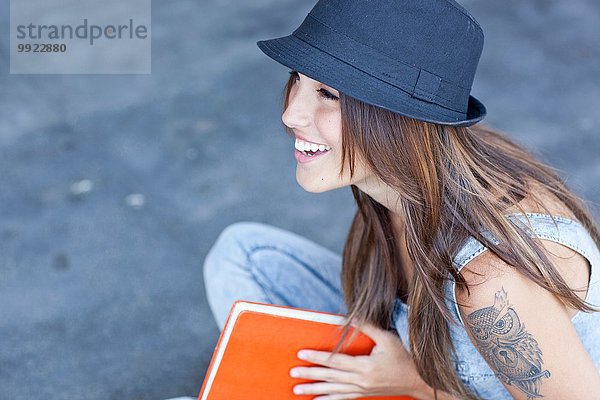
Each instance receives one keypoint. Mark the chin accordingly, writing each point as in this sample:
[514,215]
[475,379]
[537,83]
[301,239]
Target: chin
[313,189]
[311,186]
[319,187]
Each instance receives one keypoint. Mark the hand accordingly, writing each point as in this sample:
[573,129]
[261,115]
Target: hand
[387,371]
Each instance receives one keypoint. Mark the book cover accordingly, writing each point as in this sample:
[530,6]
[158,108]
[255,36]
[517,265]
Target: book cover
[258,346]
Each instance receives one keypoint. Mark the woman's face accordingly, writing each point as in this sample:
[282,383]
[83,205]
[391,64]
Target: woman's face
[313,114]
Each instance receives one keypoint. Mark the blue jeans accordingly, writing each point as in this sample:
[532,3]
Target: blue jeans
[259,262]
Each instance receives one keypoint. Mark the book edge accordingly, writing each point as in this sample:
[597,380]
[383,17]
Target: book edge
[240,306]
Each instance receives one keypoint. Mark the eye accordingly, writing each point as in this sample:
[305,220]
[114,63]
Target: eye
[323,92]
[326,94]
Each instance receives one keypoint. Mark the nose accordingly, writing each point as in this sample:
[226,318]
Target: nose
[298,113]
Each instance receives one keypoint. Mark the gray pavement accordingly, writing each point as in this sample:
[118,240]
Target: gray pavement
[113,188]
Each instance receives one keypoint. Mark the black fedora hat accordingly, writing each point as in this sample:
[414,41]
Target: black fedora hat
[414,57]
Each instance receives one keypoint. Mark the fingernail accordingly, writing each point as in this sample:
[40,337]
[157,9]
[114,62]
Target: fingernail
[294,373]
[298,390]
[302,355]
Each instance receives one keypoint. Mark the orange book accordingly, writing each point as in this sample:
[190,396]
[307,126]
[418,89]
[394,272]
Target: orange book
[258,346]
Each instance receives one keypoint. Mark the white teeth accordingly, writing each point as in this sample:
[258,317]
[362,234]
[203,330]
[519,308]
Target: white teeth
[301,145]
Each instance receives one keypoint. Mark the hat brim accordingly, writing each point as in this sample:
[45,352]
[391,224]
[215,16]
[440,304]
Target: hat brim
[315,63]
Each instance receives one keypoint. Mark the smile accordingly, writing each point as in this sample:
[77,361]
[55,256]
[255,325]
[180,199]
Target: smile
[307,151]
[310,149]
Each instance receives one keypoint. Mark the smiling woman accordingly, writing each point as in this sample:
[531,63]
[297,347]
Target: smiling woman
[310,150]
[434,190]
[312,115]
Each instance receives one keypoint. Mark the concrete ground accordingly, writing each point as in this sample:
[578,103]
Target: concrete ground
[113,188]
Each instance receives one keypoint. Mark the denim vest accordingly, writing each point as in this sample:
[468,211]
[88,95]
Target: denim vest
[470,366]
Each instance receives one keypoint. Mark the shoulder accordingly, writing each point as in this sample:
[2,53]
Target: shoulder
[572,266]
[487,269]
[487,272]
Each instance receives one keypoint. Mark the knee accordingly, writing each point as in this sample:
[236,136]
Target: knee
[231,245]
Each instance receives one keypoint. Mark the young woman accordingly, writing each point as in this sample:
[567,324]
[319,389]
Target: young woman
[470,263]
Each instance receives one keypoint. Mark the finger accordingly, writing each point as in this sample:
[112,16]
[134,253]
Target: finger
[327,388]
[325,374]
[339,361]
[339,396]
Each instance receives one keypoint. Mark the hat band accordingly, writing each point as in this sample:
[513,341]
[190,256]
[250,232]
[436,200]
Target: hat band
[413,80]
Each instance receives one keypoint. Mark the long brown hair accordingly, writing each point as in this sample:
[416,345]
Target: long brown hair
[452,181]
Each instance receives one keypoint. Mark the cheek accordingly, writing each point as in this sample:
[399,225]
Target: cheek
[330,132]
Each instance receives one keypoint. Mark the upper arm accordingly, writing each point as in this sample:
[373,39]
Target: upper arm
[524,333]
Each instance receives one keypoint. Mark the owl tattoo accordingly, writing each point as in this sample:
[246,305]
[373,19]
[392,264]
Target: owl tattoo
[508,348]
